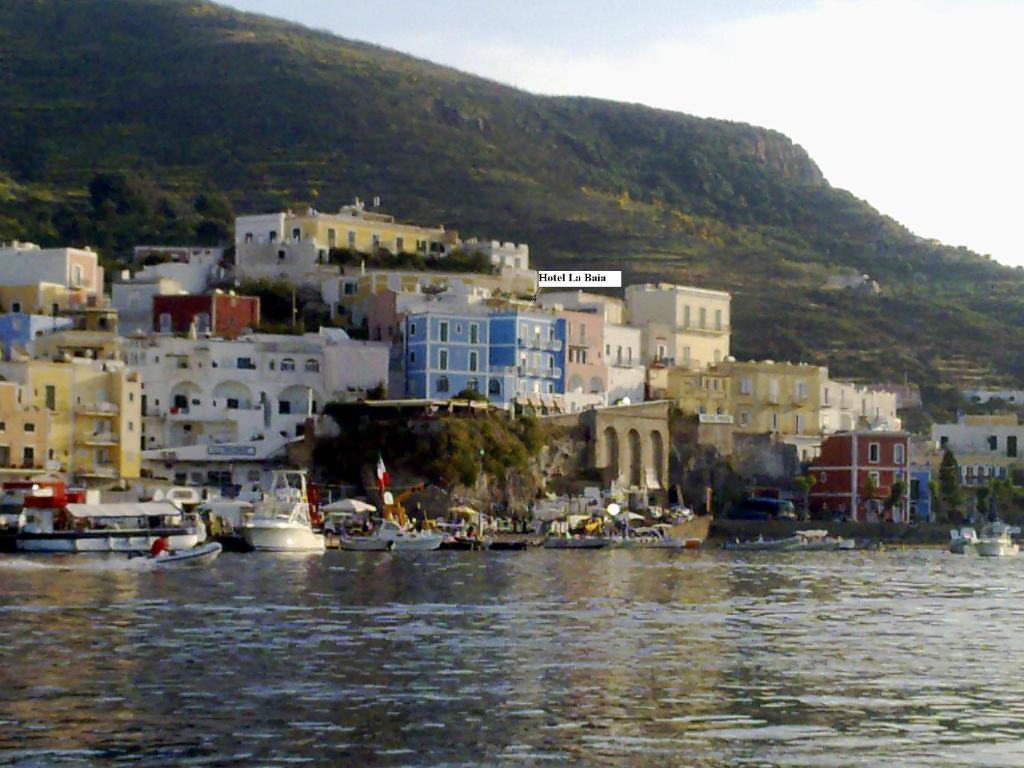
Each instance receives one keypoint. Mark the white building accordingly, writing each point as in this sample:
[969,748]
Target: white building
[254,391]
[623,356]
[985,446]
[612,309]
[1012,396]
[682,326]
[133,300]
[846,407]
[510,255]
[23,264]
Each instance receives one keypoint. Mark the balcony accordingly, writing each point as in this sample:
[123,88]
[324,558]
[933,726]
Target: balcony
[101,471]
[109,410]
[715,418]
[98,438]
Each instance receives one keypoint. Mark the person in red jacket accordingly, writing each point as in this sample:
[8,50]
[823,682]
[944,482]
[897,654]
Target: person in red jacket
[160,547]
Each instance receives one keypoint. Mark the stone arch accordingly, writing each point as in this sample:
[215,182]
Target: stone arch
[845,422]
[576,383]
[596,385]
[232,394]
[611,451]
[636,459]
[296,400]
[182,396]
[657,453]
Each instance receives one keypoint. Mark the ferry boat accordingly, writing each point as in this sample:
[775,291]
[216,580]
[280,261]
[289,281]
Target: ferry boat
[121,527]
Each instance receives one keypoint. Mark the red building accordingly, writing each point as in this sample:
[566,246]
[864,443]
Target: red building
[222,314]
[847,460]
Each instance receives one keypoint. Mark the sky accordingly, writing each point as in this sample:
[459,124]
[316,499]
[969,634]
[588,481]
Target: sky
[913,105]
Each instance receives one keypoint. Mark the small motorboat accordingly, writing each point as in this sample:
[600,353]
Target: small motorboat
[202,554]
[761,544]
[391,536]
[281,521]
[654,537]
[995,541]
[962,540]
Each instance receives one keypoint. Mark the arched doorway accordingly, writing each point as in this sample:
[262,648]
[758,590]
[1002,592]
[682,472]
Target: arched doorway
[657,454]
[636,459]
[611,451]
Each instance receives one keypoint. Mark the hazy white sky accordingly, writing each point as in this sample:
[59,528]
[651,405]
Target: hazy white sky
[914,106]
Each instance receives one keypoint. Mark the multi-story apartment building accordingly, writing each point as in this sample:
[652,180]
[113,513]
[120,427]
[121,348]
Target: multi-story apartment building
[503,354]
[986,447]
[297,246]
[705,393]
[682,326]
[585,369]
[76,415]
[847,461]
[846,406]
[627,375]
[24,267]
[510,255]
[258,387]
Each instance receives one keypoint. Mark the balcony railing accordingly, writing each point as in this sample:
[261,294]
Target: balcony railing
[98,409]
[98,438]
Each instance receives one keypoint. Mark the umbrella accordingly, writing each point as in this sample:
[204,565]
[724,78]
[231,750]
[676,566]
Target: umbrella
[348,505]
[464,511]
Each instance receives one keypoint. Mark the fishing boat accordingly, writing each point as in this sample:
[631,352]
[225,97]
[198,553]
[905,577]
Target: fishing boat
[390,536]
[204,554]
[800,541]
[280,521]
[962,540]
[120,527]
[761,544]
[996,541]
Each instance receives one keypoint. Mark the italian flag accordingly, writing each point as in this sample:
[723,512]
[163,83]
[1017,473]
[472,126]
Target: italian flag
[383,478]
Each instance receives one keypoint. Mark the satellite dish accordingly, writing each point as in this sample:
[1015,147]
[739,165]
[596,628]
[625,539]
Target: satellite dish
[614,509]
[625,401]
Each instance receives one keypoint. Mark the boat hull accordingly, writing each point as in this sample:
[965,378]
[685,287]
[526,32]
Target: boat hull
[362,544]
[105,541]
[556,542]
[283,539]
[189,558]
[996,548]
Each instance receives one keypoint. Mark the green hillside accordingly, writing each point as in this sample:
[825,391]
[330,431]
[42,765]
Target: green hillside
[190,100]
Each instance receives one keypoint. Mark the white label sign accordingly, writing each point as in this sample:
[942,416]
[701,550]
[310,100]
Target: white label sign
[572,278]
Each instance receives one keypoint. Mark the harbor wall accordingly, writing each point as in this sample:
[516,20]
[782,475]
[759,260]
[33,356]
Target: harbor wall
[921,534]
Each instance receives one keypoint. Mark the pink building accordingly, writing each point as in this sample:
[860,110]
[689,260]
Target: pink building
[585,368]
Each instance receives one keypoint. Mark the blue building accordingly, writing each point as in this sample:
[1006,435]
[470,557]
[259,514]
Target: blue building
[531,345]
[503,355]
[17,329]
[920,494]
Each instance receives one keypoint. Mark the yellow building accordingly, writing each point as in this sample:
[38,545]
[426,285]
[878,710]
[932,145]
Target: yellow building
[24,434]
[704,393]
[88,412]
[298,246]
[40,299]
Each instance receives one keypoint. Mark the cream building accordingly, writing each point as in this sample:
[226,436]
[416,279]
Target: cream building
[985,446]
[682,326]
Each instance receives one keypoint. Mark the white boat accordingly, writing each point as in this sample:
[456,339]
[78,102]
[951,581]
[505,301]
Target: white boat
[390,536]
[996,541]
[121,527]
[962,540]
[204,554]
[280,521]
[654,537]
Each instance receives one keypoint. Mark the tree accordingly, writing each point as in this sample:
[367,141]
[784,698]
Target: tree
[934,496]
[949,486]
[805,483]
[869,490]
[896,494]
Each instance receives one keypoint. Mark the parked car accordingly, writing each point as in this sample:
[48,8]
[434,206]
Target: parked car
[763,509]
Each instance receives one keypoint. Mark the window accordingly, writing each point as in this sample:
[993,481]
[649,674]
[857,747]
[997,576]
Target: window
[288,364]
[412,355]
[703,317]
[332,237]
[245,363]
[442,359]
[875,476]
[744,418]
[131,426]
[443,330]
[899,454]
[746,386]
[412,329]
[349,288]
[5,456]
[993,442]
[399,244]
[608,351]
[51,397]
[376,240]
[233,403]
[296,233]
[826,395]
[686,316]
[799,423]
[28,456]
[272,235]
[351,239]
[3,426]
[874,452]
[442,384]
[494,387]
[775,422]
[1011,445]
[15,306]
[583,333]
[718,319]
[474,333]
[248,237]
[943,441]
[312,366]
[823,478]
[802,391]
[660,355]
[473,361]
[284,407]
[281,255]
[76,275]
[30,427]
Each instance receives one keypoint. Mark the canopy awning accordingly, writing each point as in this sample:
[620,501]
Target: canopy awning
[348,505]
[130,509]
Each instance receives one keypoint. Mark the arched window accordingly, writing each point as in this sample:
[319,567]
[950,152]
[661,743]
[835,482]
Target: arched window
[312,366]
[287,364]
[442,384]
[494,387]
[473,384]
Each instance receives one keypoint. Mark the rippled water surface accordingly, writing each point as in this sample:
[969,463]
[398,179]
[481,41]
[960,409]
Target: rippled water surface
[906,658]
